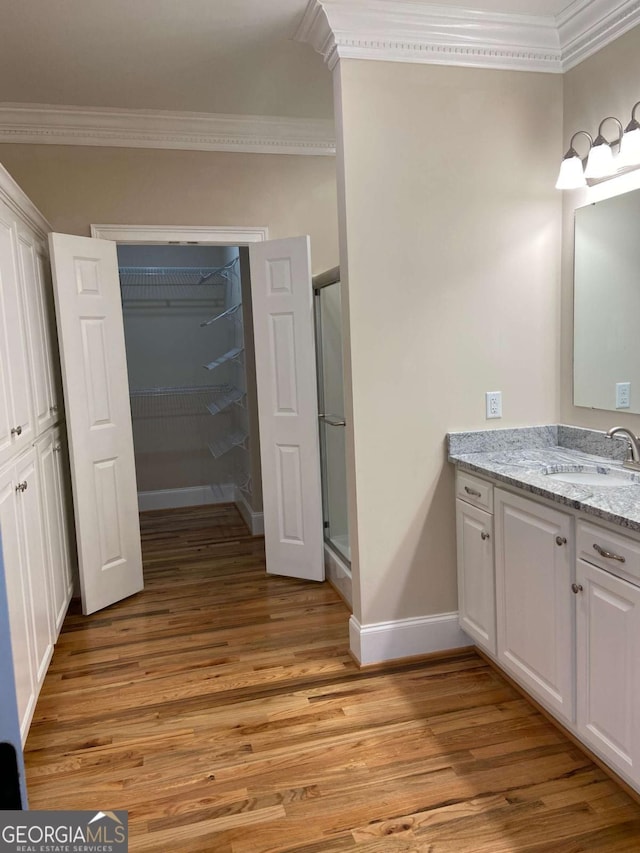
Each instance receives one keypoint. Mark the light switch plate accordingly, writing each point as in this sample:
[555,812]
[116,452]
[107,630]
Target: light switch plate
[494,404]
[623,395]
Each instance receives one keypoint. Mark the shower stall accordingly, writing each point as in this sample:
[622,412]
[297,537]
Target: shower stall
[328,320]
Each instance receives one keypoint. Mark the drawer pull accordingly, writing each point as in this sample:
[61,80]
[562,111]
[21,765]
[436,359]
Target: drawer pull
[484,535]
[474,492]
[576,588]
[560,540]
[609,555]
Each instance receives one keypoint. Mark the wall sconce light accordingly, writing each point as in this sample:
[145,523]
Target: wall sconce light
[571,175]
[630,145]
[601,162]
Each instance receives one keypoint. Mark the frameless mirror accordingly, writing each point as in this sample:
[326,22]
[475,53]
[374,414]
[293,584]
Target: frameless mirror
[606,337]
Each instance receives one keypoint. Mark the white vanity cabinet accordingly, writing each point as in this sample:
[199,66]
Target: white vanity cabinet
[476,589]
[534,599]
[608,646]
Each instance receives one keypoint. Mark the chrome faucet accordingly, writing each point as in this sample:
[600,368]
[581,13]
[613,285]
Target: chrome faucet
[634,447]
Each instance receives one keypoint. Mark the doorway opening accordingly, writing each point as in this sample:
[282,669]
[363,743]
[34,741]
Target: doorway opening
[191,376]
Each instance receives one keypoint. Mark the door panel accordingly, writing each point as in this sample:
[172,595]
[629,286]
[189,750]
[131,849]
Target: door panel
[15,399]
[96,392]
[287,406]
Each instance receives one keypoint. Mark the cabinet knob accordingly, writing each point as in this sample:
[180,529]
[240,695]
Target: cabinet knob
[16,430]
[576,588]
[53,409]
[57,448]
[484,535]
[22,487]
[560,540]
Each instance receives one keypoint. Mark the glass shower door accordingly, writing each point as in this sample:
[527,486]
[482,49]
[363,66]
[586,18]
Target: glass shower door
[328,316]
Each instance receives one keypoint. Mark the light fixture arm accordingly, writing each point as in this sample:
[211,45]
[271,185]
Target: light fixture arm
[572,151]
[634,124]
[602,140]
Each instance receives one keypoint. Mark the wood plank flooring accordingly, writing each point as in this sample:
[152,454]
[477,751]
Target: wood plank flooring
[221,708]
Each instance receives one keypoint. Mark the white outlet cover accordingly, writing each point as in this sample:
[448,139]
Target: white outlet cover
[493,404]
[623,395]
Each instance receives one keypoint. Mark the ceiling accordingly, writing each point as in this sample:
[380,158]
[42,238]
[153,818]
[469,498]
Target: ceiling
[208,56]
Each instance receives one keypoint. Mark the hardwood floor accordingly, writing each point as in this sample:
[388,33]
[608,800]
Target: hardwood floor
[221,708]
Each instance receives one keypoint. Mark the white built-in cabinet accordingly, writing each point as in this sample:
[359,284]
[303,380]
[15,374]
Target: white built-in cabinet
[534,601]
[555,601]
[476,586]
[33,469]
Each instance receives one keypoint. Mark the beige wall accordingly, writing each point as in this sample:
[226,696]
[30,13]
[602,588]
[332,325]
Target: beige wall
[452,288]
[603,85]
[77,186]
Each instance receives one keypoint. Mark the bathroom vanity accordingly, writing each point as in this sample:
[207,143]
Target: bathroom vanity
[548,536]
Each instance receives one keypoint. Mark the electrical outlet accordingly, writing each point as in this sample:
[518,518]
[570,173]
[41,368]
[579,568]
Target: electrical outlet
[494,404]
[623,395]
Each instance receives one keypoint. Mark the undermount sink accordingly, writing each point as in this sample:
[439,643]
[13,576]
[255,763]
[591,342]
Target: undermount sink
[594,477]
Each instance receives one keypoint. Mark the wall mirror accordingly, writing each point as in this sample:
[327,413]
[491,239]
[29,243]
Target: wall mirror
[606,338]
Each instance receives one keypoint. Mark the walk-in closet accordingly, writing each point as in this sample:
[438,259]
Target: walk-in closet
[185,342]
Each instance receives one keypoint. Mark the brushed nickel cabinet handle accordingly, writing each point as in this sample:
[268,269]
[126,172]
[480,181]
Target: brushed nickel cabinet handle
[576,588]
[16,430]
[561,540]
[22,487]
[608,555]
[484,535]
[474,492]
[57,448]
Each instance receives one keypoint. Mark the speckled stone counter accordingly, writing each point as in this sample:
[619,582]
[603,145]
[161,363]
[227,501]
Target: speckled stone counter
[524,457]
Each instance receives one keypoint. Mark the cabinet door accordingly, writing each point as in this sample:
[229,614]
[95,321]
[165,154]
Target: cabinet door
[34,560]
[476,585]
[37,334]
[52,362]
[608,662]
[48,450]
[534,599]
[18,595]
[16,428]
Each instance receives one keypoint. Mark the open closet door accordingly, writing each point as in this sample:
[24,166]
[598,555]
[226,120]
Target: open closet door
[96,396]
[282,300]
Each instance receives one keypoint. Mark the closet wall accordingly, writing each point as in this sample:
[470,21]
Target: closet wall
[184,332]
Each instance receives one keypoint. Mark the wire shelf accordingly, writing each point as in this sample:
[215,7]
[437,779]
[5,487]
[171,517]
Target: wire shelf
[175,402]
[225,399]
[201,284]
[228,313]
[232,439]
[230,355]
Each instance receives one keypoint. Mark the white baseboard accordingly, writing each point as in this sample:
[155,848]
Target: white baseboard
[338,574]
[253,520]
[403,638]
[190,496]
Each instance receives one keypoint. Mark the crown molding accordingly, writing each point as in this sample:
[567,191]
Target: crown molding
[409,31]
[586,26]
[45,124]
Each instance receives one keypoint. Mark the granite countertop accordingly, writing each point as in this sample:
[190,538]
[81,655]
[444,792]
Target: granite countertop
[523,457]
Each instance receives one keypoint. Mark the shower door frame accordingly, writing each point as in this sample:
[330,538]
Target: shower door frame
[319,282]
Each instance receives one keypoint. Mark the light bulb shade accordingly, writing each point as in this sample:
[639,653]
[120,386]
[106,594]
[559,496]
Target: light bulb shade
[571,175]
[630,148]
[600,162]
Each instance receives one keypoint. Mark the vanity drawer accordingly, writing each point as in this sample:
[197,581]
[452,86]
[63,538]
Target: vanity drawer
[475,491]
[610,551]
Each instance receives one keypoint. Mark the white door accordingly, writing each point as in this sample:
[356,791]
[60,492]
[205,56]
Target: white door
[96,394]
[282,301]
